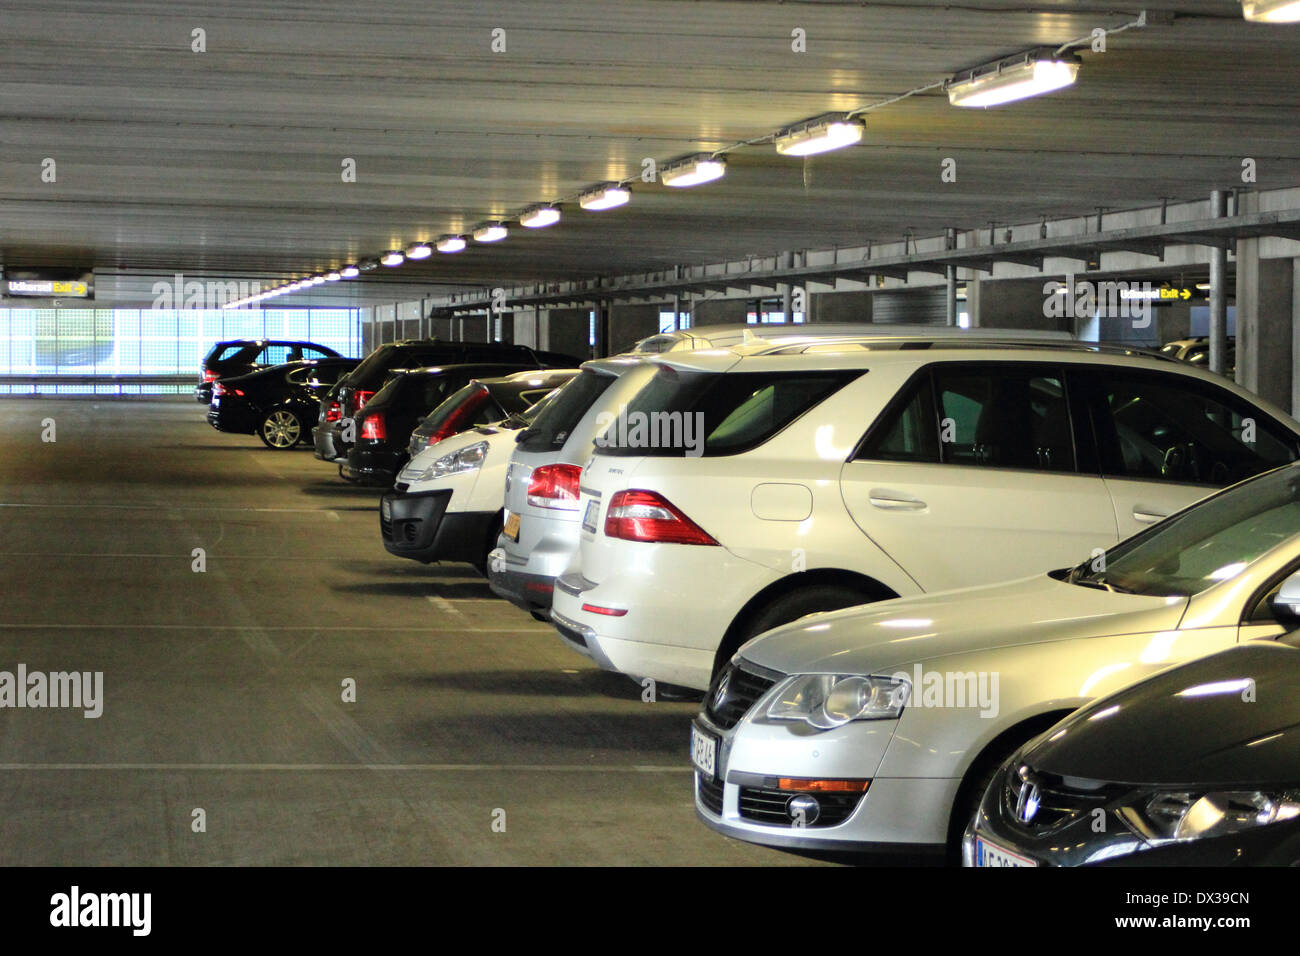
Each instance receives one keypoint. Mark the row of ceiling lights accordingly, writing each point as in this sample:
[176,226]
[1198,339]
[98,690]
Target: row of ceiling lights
[1018,77]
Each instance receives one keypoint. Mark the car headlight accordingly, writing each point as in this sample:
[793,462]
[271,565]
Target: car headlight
[1198,816]
[825,701]
[469,458]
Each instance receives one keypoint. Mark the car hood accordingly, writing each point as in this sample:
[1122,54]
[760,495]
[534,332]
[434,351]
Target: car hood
[1196,726]
[881,637]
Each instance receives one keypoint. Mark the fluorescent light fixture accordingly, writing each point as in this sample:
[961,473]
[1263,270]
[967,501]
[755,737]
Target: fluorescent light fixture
[368,265]
[1271,11]
[334,276]
[536,217]
[820,135]
[451,244]
[393,257]
[490,232]
[420,250]
[317,280]
[349,272]
[604,197]
[701,168]
[1014,78]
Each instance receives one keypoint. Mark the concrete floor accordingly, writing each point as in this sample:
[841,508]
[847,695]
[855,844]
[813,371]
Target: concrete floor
[222,689]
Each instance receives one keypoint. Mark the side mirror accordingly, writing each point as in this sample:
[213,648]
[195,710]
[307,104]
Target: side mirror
[1285,604]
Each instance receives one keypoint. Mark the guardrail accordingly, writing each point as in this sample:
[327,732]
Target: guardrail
[99,385]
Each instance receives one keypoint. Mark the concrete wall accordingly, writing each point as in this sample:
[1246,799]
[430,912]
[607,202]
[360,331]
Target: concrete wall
[839,307]
[566,330]
[719,312]
[629,324]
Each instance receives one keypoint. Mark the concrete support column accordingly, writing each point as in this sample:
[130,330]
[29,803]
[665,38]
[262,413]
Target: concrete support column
[1265,306]
[950,282]
[1218,293]
[786,290]
[974,289]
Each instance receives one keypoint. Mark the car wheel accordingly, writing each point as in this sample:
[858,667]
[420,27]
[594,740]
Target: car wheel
[280,429]
[787,608]
[494,532]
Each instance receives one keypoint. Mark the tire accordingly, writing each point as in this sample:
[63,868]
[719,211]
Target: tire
[973,788]
[790,607]
[280,429]
[494,532]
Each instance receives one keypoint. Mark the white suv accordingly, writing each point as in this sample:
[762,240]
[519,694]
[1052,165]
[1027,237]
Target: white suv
[821,476]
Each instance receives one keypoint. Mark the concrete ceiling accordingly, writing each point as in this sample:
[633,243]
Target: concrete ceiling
[227,162]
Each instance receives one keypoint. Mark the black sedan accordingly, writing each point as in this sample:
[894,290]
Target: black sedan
[382,427]
[277,404]
[241,356]
[1198,766]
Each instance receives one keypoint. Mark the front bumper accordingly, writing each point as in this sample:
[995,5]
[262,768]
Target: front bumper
[417,525]
[745,798]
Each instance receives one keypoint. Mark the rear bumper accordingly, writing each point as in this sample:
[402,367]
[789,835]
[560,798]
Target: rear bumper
[232,418]
[373,466]
[203,393]
[417,525]
[531,592]
[324,439]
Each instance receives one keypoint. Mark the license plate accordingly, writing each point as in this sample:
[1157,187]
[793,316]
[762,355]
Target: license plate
[385,508]
[590,515]
[511,527]
[216,401]
[704,752]
[990,854]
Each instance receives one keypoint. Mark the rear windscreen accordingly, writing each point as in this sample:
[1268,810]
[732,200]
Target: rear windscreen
[706,413]
[225,350]
[561,416]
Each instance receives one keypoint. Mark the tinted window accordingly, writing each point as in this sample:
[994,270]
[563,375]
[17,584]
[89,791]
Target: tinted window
[908,432]
[223,351]
[732,412]
[279,354]
[1170,428]
[1004,417]
[558,419]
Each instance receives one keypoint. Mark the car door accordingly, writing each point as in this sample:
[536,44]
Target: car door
[970,476]
[1166,440]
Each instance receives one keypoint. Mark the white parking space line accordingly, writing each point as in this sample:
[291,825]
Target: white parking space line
[334,767]
[442,604]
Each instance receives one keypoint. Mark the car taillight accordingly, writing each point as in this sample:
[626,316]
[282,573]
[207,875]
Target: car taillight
[218,389]
[554,486]
[209,375]
[647,516]
[359,399]
[334,412]
[461,418]
[374,427]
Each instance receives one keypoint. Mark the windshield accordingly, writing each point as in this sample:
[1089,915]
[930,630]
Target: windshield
[1208,543]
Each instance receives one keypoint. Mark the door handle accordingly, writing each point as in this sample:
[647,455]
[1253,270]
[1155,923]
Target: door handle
[888,500]
[1148,517]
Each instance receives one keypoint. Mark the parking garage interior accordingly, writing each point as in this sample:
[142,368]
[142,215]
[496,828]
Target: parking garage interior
[279,689]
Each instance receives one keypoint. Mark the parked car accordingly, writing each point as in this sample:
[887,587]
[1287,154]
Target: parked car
[540,529]
[276,404]
[241,356]
[484,401]
[824,479]
[1198,766]
[447,504]
[332,438]
[1196,351]
[384,425]
[785,333]
[882,727]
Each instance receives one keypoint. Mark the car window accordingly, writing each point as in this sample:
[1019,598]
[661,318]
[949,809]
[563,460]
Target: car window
[299,375]
[326,374]
[311,353]
[1002,416]
[708,413]
[275,355]
[222,352]
[908,431]
[551,428]
[1171,428]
